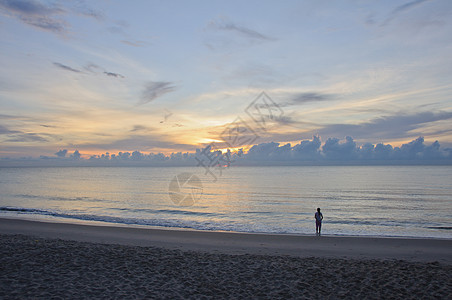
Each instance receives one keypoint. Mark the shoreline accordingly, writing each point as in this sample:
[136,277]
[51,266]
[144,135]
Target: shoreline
[328,246]
[88,222]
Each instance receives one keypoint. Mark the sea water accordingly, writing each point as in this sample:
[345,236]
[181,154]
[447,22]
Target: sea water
[414,201]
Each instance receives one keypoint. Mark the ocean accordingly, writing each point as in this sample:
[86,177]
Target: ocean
[403,201]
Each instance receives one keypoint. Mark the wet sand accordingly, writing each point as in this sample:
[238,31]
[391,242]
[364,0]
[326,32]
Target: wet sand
[45,260]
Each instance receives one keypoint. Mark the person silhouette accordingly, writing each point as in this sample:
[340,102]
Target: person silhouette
[318,222]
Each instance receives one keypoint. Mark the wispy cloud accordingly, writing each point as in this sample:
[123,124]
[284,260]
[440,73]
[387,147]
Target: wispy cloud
[223,35]
[113,74]
[166,116]
[81,8]
[401,9]
[247,32]
[134,43]
[119,27]
[306,97]
[5,130]
[91,68]
[394,126]
[153,90]
[139,128]
[3,116]
[67,68]
[27,137]
[311,97]
[140,139]
[48,17]
[36,14]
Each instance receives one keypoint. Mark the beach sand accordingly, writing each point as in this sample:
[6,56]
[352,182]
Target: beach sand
[57,260]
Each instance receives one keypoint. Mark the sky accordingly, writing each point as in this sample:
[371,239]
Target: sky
[84,78]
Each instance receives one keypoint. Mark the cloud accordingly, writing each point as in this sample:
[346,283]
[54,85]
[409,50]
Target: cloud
[139,128]
[61,153]
[116,30]
[81,8]
[93,68]
[3,116]
[416,149]
[241,30]
[27,137]
[401,9]
[119,27]
[290,120]
[302,98]
[140,138]
[88,12]
[310,97]
[14,136]
[67,68]
[400,125]
[76,155]
[90,68]
[308,150]
[335,150]
[134,43]
[227,35]
[5,130]
[262,151]
[36,14]
[153,90]
[150,158]
[46,16]
[166,116]
[113,74]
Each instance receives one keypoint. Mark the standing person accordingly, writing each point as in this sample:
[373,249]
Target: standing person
[318,222]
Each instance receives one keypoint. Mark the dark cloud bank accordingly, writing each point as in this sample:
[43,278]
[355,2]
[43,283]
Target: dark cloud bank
[308,152]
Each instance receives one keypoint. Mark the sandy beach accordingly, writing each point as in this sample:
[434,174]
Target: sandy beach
[59,260]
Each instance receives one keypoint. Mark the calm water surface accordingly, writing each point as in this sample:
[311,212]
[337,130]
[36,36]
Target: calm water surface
[362,200]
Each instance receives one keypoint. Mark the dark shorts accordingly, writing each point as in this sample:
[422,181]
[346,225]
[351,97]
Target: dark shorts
[318,224]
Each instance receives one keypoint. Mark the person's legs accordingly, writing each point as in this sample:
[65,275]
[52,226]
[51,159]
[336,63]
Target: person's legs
[320,228]
[317,227]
